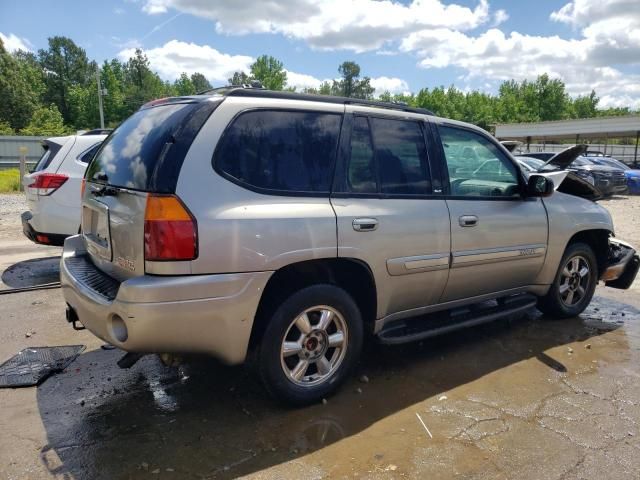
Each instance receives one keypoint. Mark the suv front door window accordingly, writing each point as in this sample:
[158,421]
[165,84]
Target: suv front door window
[476,166]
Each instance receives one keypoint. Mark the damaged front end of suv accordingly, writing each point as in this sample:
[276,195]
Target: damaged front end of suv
[623,263]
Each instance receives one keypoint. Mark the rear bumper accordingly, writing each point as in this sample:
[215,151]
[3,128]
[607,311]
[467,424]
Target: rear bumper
[623,265]
[210,314]
[43,238]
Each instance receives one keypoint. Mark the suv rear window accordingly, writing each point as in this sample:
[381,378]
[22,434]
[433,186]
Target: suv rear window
[286,151]
[146,151]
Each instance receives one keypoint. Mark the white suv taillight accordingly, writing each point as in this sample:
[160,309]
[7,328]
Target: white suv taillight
[47,183]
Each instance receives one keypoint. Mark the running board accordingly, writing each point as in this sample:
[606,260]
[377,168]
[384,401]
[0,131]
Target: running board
[426,326]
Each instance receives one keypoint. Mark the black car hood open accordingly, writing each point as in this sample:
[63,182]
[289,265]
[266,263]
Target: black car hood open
[563,159]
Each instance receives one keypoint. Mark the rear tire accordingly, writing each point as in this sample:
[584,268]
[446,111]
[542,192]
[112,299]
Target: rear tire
[310,345]
[574,283]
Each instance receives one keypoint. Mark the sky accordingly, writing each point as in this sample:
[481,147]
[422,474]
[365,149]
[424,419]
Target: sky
[402,45]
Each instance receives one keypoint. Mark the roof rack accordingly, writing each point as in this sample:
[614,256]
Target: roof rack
[251,91]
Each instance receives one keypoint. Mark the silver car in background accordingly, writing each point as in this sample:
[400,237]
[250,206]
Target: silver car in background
[288,225]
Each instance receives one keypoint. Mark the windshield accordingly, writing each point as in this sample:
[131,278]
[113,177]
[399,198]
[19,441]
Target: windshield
[581,162]
[532,162]
[612,162]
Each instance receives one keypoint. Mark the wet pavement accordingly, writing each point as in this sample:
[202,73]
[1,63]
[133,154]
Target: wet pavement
[522,398]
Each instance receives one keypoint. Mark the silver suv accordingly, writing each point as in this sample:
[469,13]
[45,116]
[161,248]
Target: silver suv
[288,225]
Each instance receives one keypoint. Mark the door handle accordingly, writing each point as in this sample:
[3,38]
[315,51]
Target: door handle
[365,224]
[468,221]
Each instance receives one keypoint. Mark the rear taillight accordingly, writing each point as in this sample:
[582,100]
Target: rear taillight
[47,183]
[170,231]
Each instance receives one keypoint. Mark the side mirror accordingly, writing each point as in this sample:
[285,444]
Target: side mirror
[539,186]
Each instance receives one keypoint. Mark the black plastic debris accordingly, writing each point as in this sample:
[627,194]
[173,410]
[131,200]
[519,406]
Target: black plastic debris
[32,365]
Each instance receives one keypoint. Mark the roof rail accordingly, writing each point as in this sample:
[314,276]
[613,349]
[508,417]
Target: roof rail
[249,91]
[98,131]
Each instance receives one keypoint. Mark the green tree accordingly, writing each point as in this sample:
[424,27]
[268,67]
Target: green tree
[200,82]
[239,78]
[184,85]
[141,83]
[5,128]
[66,65]
[270,72]
[46,121]
[585,106]
[351,85]
[20,88]
[83,106]
[113,81]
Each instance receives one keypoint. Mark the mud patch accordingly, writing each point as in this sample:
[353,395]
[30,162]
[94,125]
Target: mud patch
[31,273]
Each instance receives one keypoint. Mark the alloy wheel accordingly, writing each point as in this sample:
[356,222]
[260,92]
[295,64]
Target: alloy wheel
[314,346]
[574,280]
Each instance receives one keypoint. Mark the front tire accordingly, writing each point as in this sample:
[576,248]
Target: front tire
[574,284]
[310,344]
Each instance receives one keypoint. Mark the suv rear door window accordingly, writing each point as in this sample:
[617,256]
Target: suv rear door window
[401,155]
[396,162]
[288,151]
[361,176]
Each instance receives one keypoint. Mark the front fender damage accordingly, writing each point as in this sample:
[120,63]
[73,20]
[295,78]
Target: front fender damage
[623,263]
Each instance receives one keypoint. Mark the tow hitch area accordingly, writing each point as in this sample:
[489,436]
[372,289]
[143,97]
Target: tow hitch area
[72,318]
[622,265]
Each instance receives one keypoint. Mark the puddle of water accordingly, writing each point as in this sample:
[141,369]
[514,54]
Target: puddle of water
[33,272]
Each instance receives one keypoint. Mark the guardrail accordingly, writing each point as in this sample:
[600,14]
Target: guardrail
[15,147]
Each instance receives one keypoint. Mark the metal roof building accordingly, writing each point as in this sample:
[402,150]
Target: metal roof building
[575,130]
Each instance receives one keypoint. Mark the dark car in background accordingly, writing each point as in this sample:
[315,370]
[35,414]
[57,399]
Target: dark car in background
[632,175]
[609,180]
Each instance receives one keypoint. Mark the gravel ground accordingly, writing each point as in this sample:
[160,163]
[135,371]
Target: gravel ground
[11,207]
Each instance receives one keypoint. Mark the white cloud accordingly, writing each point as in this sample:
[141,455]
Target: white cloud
[175,57]
[302,80]
[392,85]
[118,11]
[357,25]
[13,42]
[381,84]
[586,12]
[500,17]
[609,41]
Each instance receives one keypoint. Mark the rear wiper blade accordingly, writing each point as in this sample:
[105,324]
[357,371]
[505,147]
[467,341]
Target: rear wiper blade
[105,191]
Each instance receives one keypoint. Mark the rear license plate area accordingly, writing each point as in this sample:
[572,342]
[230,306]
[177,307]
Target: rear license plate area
[95,229]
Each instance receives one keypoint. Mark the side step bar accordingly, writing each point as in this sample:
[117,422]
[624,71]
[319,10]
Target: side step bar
[426,326]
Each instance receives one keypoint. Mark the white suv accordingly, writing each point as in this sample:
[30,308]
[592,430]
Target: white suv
[53,187]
